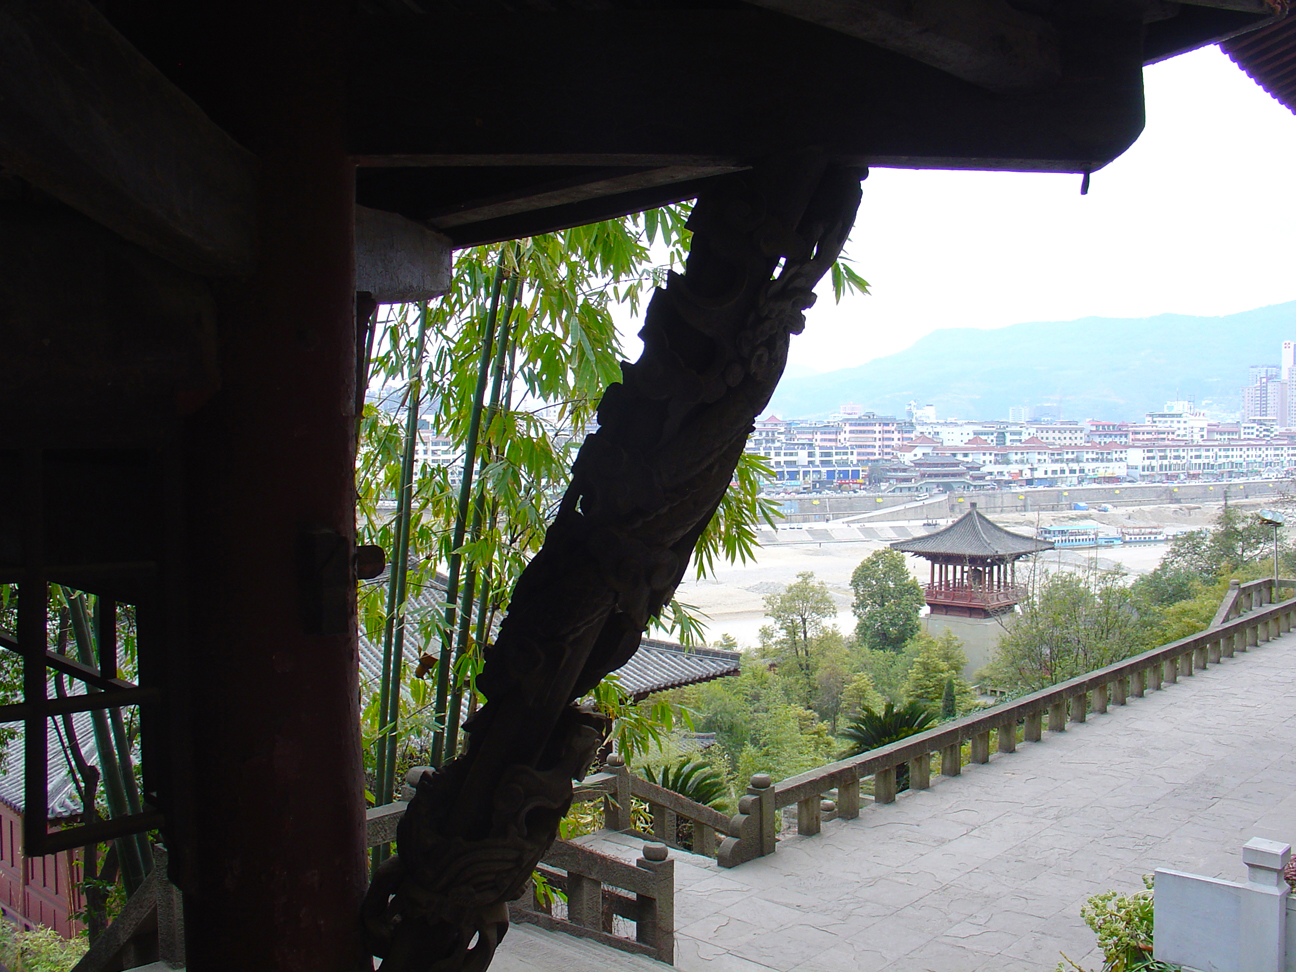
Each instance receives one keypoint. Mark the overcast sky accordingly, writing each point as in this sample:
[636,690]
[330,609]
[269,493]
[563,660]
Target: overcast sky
[1196,218]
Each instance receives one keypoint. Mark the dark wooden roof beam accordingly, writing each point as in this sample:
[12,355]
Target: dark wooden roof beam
[85,117]
[420,104]
[574,191]
[986,42]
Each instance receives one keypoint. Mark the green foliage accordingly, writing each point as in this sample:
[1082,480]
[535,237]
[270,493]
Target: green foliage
[887,601]
[860,693]
[889,670]
[1237,538]
[1123,924]
[1166,585]
[561,355]
[798,612]
[691,778]
[949,700]
[637,727]
[939,662]
[873,729]
[1072,623]
[759,726]
[38,950]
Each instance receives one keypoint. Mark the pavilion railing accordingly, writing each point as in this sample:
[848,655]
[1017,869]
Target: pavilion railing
[971,594]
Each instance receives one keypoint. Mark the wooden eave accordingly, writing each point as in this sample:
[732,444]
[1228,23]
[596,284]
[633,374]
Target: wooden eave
[509,121]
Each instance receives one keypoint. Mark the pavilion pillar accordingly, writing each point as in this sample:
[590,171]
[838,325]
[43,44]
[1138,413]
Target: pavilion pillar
[274,869]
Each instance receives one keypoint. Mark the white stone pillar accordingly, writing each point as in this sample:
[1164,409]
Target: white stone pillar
[1263,936]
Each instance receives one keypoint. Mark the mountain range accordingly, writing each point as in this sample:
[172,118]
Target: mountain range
[1097,367]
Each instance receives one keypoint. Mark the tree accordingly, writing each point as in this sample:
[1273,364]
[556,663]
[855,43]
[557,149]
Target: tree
[690,778]
[940,661]
[1236,539]
[949,700]
[872,729]
[887,601]
[799,612]
[1071,624]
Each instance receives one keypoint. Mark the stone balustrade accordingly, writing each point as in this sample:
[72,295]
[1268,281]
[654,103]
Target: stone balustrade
[706,830]
[833,790]
[598,889]
[1250,617]
[1227,926]
[1243,598]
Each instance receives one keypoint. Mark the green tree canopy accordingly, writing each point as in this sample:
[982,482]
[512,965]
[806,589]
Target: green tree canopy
[939,662]
[887,602]
[1237,538]
[798,612]
[1071,624]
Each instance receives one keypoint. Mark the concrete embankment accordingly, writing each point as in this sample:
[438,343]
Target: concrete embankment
[883,507]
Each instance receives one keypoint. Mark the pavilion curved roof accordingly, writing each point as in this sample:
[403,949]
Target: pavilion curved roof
[972,535]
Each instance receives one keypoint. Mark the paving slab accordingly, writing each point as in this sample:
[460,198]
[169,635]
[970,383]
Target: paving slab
[988,870]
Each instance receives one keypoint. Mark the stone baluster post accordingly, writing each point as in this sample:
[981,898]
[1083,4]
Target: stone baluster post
[1100,697]
[655,921]
[1264,911]
[762,787]
[809,815]
[884,785]
[1079,705]
[1034,726]
[616,806]
[980,747]
[1057,716]
[952,759]
[1007,734]
[920,772]
[584,901]
[848,799]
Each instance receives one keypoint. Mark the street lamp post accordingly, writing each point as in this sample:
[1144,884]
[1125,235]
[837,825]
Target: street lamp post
[1276,519]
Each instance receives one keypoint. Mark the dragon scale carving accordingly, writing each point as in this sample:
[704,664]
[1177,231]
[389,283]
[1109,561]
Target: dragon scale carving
[643,488]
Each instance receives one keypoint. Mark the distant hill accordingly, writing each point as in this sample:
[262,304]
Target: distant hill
[1096,367]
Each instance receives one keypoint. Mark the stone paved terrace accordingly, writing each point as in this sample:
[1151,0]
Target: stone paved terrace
[987,871]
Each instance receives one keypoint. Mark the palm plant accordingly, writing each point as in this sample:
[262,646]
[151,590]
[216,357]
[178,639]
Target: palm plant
[692,779]
[871,730]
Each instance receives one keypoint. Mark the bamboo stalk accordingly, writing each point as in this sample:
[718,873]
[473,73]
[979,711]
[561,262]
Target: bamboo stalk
[479,505]
[394,628]
[133,868]
[446,661]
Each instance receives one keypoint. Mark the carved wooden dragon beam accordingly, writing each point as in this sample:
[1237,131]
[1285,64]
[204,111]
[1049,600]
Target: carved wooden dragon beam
[643,488]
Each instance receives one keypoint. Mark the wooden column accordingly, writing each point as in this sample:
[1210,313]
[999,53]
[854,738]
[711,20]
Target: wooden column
[276,872]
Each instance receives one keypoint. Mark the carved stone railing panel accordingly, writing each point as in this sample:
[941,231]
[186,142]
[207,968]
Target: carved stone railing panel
[599,890]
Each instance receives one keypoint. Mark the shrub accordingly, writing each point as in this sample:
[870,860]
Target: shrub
[38,950]
[1123,924]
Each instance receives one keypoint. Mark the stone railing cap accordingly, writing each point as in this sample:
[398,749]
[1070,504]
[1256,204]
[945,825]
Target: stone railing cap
[653,851]
[1259,852]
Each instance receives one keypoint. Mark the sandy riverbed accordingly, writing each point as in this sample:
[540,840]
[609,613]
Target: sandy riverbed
[734,598]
